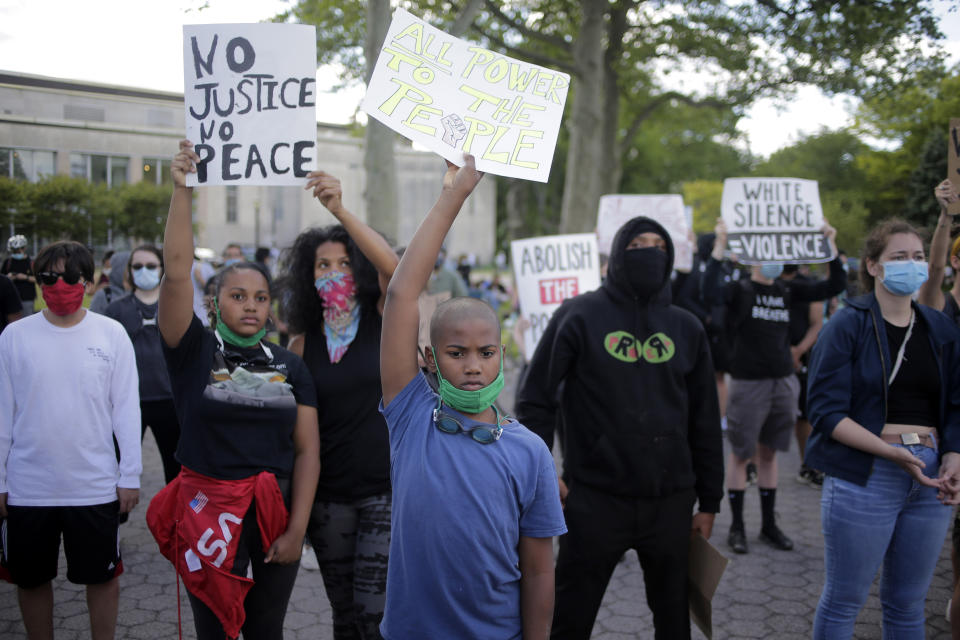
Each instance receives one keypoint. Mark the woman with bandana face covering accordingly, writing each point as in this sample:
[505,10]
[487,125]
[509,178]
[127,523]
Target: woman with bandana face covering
[248,441]
[334,285]
[138,315]
[886,420]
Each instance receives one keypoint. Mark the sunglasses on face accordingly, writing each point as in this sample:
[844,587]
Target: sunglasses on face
[136,266]
[49,278]
[482,433]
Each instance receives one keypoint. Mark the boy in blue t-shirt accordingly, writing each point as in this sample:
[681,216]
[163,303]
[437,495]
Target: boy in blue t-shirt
[475,498]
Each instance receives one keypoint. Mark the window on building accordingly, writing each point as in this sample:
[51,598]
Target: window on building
[156,171]
[26,164]
[231,204]
[111,170]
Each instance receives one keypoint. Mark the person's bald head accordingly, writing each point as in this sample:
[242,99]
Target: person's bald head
[463,315]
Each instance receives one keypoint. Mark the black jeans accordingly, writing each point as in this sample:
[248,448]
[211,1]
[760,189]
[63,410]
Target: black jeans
[602,528]
[161,417]
[266,602]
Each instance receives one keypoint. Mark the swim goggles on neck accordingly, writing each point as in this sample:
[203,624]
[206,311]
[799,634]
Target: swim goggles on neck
[482,433]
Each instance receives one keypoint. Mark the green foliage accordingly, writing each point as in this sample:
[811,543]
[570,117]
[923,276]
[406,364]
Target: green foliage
[141,210]
[61,207]
[341,27]
[832,159]
[679,76]
[704,196]
[912,118]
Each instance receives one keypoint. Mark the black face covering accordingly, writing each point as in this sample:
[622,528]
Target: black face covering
[646,270]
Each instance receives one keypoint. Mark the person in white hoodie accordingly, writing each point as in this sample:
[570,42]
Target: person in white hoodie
[68,388]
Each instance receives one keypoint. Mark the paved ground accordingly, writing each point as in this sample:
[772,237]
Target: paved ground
[765,594]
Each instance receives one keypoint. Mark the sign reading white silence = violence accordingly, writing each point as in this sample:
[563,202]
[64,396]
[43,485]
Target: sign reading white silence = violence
[250,99]
[455,97]
[774,220]
[548,270]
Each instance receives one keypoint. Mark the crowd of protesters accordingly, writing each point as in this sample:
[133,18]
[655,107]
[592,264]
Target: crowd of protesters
[298,416]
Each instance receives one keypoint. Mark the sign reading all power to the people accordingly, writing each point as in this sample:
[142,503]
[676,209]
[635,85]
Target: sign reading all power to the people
[774,220]
[455,97]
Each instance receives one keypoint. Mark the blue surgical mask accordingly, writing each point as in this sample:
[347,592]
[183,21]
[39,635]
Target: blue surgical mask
[904,277]
[146,279]
[771,271]
[18,256]
[232,261]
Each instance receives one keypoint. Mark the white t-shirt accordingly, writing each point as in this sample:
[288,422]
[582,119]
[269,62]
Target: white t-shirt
[65,393]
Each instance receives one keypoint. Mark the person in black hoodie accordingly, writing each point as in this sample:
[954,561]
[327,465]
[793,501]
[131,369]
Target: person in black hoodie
[641,437]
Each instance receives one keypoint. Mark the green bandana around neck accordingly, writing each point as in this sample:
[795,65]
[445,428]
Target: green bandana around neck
[229,336]
[469,402]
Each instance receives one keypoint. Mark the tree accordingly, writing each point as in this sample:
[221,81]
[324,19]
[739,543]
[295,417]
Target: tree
[704,196]
[833,159]
[623,50]
[351,33]
[912,118]
[631,59]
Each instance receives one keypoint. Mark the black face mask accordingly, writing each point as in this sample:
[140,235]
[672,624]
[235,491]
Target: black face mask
[645,270]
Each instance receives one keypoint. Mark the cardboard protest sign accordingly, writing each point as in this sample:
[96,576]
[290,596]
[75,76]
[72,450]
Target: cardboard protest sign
[249,93]
[666,209]
[774,220]
[706,567]
[453,96]
[953,161]
[548,270]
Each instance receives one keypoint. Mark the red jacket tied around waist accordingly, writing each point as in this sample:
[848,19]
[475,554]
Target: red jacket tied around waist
[196,521]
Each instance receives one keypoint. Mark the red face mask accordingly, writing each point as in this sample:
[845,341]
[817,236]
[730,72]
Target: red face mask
[63,299]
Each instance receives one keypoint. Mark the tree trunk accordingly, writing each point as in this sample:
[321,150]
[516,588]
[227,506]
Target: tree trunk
[611,167]
[583,184]
[380,194]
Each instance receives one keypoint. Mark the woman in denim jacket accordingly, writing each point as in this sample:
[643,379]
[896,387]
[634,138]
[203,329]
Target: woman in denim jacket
[884,400]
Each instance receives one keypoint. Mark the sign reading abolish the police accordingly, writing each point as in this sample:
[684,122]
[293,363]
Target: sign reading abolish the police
[667,209]
[774,220]
[453,97]
[250,99]
[548,270]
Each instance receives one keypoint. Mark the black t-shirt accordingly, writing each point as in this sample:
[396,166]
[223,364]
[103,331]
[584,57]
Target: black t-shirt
[914,396]
[799,313]
[9,301]
[140,321]
[26,289]
[354,442]
[237,407]
[761,344]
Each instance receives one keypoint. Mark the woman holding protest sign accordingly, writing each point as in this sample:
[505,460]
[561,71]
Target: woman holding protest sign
[335,280]
[885,412]
[248,443]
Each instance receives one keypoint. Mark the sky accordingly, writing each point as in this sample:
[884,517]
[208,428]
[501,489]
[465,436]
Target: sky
[138,43]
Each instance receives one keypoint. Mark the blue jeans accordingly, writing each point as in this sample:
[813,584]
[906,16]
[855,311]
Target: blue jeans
[893,520]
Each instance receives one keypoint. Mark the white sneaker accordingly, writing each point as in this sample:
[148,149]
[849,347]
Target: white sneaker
[308,559]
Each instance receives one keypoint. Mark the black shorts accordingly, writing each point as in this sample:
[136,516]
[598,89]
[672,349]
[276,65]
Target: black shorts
[31,543]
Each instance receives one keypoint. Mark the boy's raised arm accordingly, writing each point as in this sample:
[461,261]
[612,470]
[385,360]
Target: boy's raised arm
[176,291]
[401,314]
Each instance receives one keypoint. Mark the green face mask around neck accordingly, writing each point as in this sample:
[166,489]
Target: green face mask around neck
[469,402]
[229,336]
